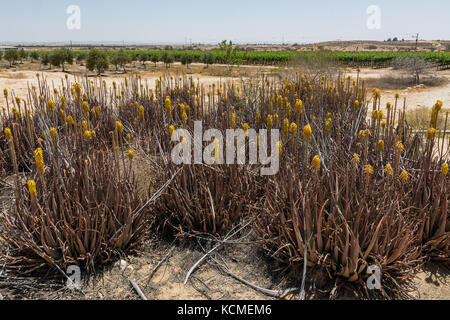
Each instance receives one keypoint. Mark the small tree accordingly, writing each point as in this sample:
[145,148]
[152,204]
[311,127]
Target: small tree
[186,59]
[120,58]
[230,55]
[208,58]
[60,57]
[12,56]
[80,57]
[22,54]
[154,57]
[143,57]
[167,59]
[414,66]
[45,58]
[34,55]
[97,60]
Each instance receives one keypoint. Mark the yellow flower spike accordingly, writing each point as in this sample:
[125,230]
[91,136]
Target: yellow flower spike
[316,163]
[70,120]
[375,114]
[85,97]
[141,112]
[184,117]
[85,125]
[233,120]
[404,176]
[53,135]
[293,128]
[168,105]
[377,93]
[87,135]
[128,136]
[39,159]
[8,134]
[288,110]
[171,130]
[130,154]
[51,104]
[356,159]
[439,105]
[119,126]
[298,106]
[328,125]
[307,132]
[269,121]
[444,169]
[18,101]
[93,133]
[275,118]
[430,133]
[356,104]
[5,92]
[368,169]
[380,145]
[245,128]
[286,127]
[280,101]
[399,146]
[397,96]
[279,148]
[63,102]
[383,124]
[388,105]
[380,115]
[32,188]
[388,170]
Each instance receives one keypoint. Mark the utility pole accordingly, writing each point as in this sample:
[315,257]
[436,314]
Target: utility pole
[417,40]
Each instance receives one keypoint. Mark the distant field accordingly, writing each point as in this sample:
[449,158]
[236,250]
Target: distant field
[276,57]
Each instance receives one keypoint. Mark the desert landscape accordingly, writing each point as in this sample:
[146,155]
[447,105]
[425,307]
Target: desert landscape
[86,177]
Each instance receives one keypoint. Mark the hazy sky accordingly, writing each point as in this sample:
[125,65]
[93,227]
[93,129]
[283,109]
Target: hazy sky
[254,21]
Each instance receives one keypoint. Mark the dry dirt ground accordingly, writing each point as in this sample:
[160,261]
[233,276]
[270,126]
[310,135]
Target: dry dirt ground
[209,281]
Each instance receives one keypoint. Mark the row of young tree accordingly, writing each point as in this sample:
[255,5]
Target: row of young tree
[99,60]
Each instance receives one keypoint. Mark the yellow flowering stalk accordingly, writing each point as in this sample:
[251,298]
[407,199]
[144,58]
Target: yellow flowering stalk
[233,120]
[380,145]
[269,121]
[279,148]
[286,127]
[51,105]
[130,154]
[275,118]
[171,130]
[8,134]
[316,163]
[54,136]
[293,128]
[388,170]
[404,176]
[355,160]
[32,188]
[87,135]
[39,159]
[430,133]
[368,169]
[307,132]
[119,126]
[444,169]
[168,105]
